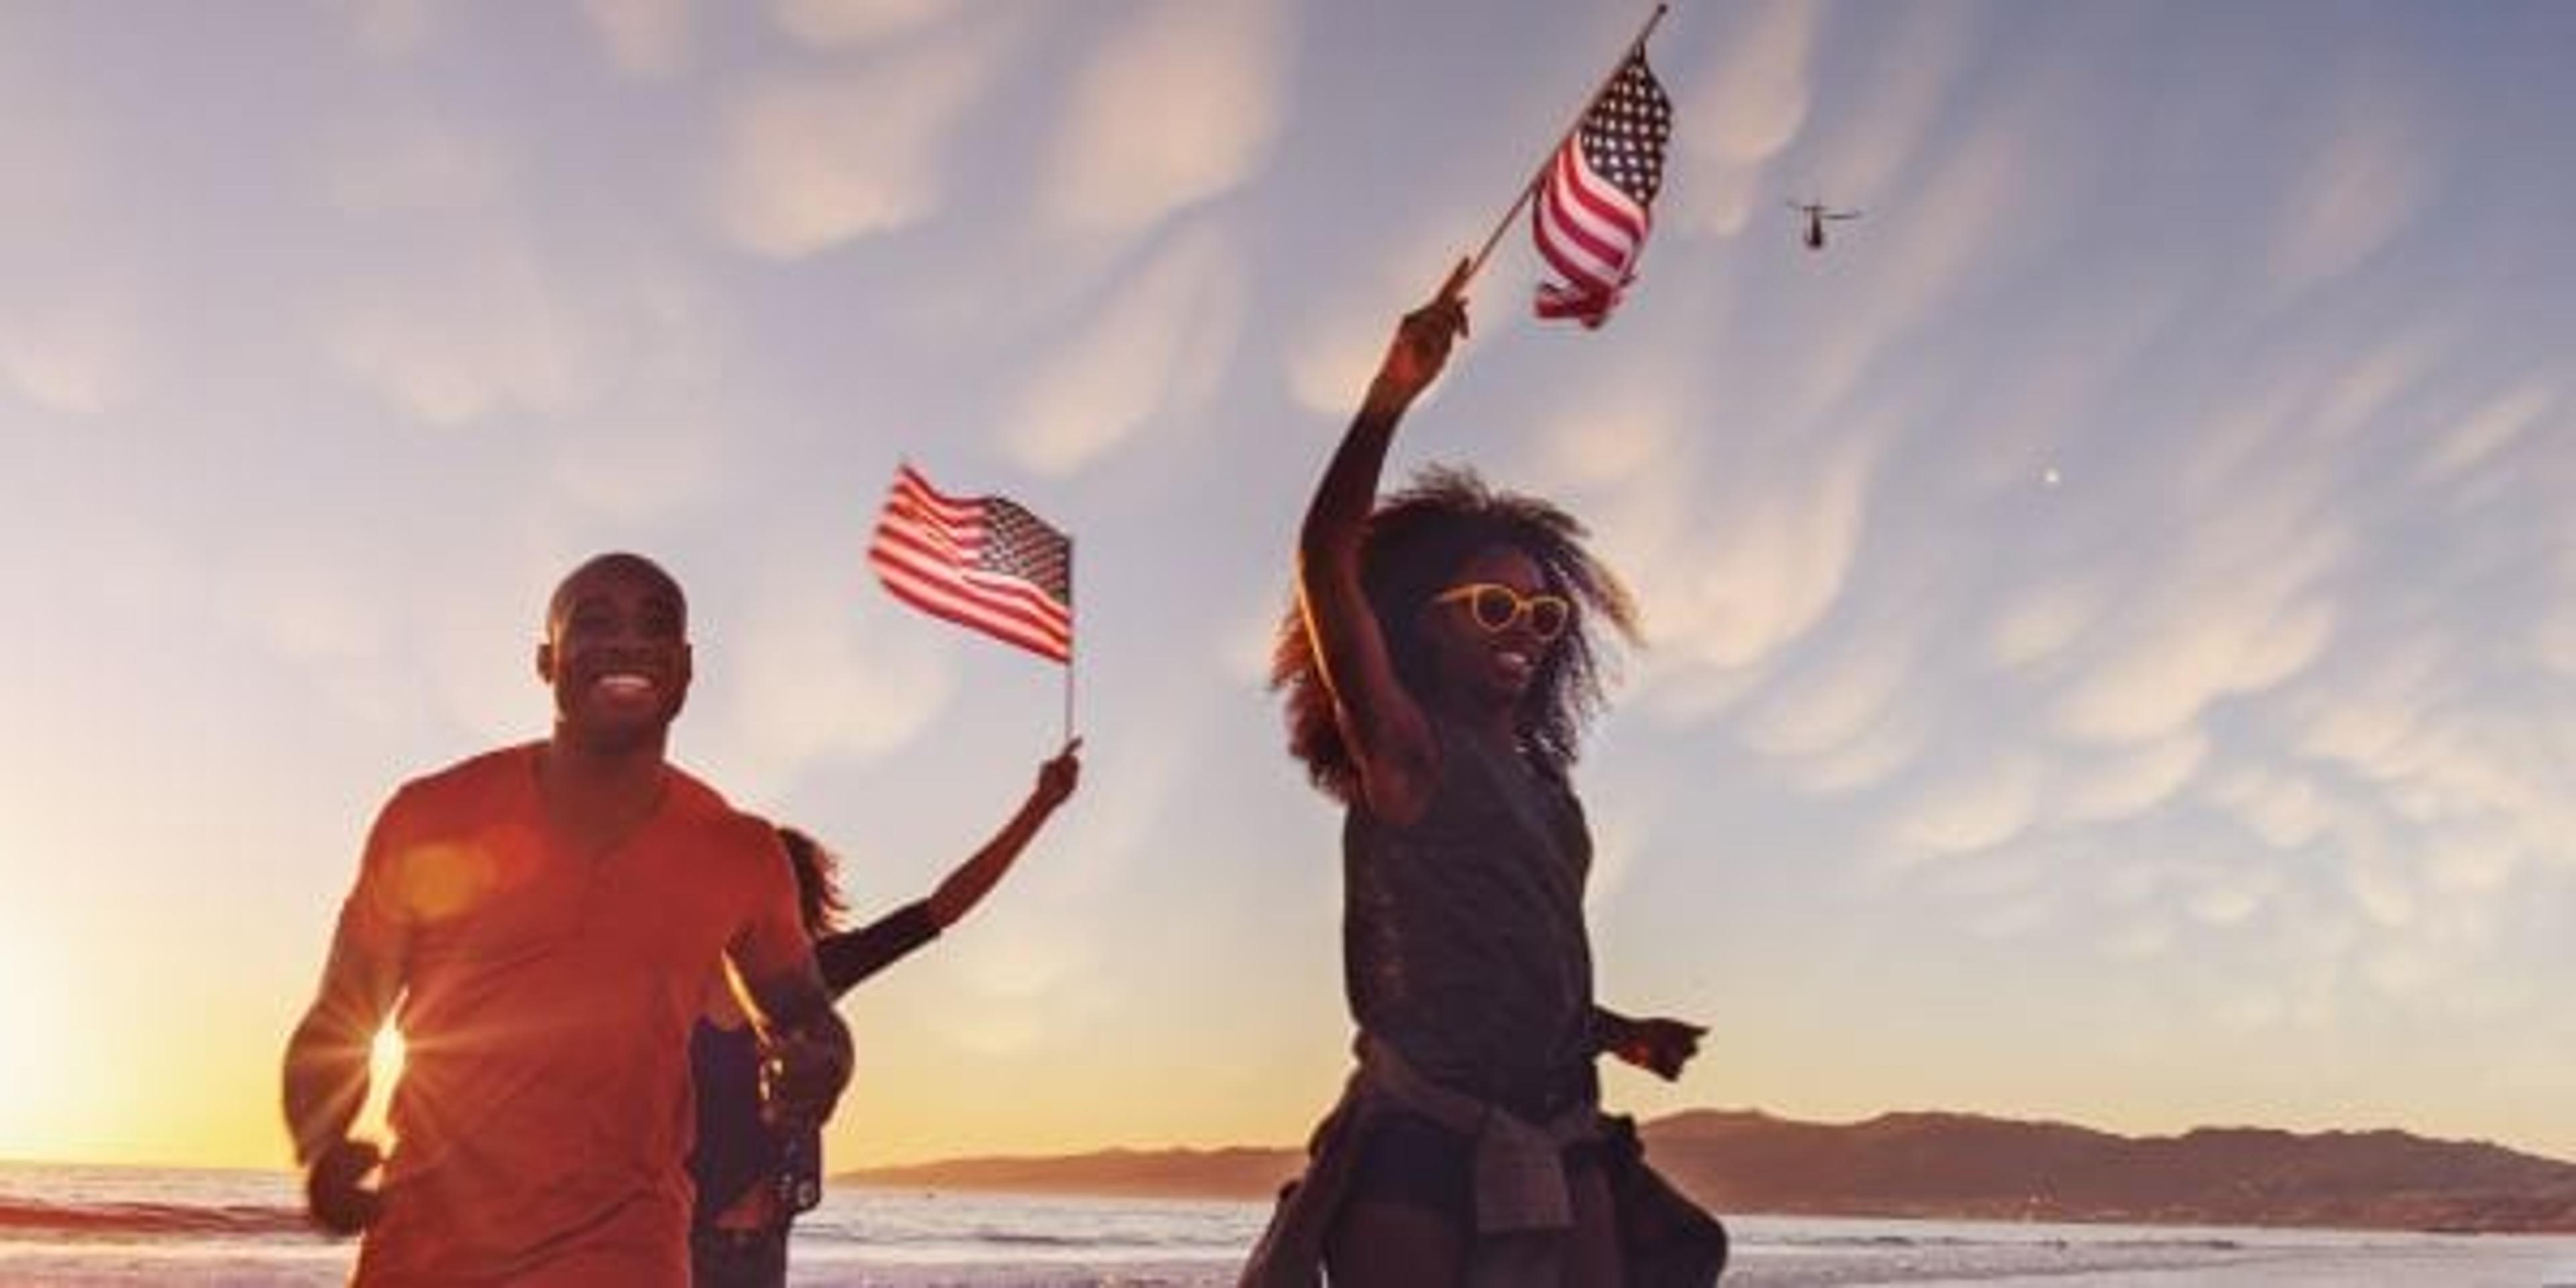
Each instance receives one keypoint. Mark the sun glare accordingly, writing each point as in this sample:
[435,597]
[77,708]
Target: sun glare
[384,1065]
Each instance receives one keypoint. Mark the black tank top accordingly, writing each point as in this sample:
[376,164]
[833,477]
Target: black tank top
[1463,943]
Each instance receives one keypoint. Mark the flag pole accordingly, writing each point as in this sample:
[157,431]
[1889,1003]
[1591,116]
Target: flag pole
[1539,175]
[1070,640]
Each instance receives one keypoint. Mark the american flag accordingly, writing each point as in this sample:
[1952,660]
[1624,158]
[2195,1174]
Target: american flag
[1592,213]
[981,562]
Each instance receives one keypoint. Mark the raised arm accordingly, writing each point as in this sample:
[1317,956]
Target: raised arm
[1384,728]
[854,955]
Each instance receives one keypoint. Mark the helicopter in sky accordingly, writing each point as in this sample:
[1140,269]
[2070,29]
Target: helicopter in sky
[1817,214]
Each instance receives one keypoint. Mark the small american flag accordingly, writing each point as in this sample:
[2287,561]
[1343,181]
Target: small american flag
[1592,213]
[981,562]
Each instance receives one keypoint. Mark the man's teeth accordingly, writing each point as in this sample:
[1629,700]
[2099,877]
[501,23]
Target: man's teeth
[625,684]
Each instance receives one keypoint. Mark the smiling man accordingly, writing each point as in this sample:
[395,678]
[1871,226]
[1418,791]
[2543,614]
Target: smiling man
[546,916]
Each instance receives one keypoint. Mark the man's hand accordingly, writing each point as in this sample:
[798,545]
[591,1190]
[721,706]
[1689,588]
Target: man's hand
[335,1190]
[1659,1046]
[803,1074]
[1058,777]
[1420,348]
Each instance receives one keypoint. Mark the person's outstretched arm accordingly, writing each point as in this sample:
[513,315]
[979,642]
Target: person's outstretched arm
[1389,739]
[853,955]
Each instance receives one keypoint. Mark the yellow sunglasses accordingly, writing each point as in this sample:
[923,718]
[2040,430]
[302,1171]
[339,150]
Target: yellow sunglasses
[1495,607]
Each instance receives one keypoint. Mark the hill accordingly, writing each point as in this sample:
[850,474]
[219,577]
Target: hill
[1937,1165]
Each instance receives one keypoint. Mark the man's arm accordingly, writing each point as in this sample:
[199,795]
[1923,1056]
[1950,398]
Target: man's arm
[809,1055]
[782,992]
[327,1056]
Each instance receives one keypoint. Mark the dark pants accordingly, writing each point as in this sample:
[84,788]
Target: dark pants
[738,1258]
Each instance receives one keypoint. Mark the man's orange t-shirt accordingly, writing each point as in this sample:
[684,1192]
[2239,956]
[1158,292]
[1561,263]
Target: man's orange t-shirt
[543,1116]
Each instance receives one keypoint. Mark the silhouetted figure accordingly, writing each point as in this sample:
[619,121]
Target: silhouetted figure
[752,1178]
[1439,668]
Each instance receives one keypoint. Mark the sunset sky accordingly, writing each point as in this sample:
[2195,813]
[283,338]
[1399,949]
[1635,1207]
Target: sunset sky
[2112,615]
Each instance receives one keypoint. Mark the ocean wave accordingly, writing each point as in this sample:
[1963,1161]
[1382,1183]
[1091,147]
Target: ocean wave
[108,1220]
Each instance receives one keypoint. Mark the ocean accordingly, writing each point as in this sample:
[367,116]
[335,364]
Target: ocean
[112,1226]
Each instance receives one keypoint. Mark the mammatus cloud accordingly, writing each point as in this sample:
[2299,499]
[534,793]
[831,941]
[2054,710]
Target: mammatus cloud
[1180,105]
[1156,349]
[2283,808]
[412,166]
[1834,705]
[456,340]
[811,679]
[813,159]
[2039,625]
[1733,579]
[1742,110]
[1975,811]
[79,358]
[2354,192]
[2487,431]
[646,39]
[837,24]
[389,28]
[2133,782]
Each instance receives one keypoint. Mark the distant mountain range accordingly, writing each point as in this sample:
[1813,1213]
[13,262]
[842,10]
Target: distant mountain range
[1937,1165]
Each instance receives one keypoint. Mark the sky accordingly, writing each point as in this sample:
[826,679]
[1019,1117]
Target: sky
[2110,617]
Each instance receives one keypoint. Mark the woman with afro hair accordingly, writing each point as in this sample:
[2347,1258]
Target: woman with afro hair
[1440,663]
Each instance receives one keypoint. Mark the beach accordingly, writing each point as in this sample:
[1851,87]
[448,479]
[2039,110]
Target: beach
[95,1227]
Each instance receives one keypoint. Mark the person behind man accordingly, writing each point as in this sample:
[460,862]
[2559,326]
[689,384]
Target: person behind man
[547,917]
[753,1178]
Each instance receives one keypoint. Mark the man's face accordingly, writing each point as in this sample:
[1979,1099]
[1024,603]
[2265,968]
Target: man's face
[616,654]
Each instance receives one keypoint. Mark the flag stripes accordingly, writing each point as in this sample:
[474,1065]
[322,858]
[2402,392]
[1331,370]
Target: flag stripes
[1594,205]
[984,563]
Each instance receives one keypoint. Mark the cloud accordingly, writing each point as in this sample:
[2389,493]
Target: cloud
[1833,705]
[1180,106]
[2168,674]
[810,678]
[646,39]
[1750,102]
[390,29]
[2490,429]
[2285,810]
[813,159]
[1742,110]
[80,358]
[838,24]
[2354,191]
[1924,49]
[1731,580]
[414,166]
[1972,813]
[2039,625]
[459,339]
[1156,349]
[2132,784]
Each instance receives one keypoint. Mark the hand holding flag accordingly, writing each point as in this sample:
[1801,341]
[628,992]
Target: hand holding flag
[1420,348]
